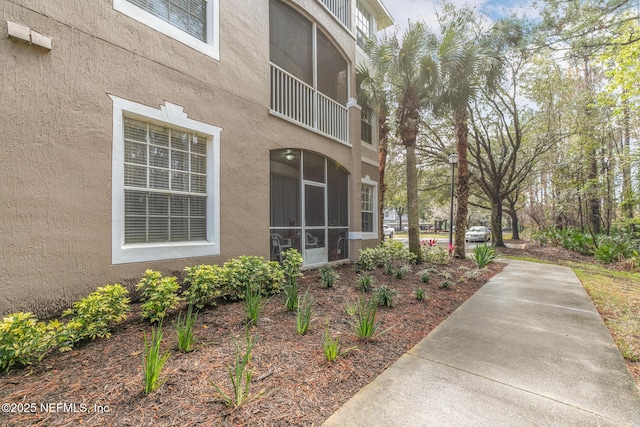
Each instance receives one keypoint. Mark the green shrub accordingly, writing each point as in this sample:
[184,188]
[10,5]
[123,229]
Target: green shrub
[184,329]
[390,253]
[254,272]
[435,255]
[445,285]
[291,266]
[420,294]
[385,295]
[328,277]
[365,283]
[424,277]
[483,255]
[152,361]
[616,247]
[205,284]
[402,271]
[159,294]
[93,316]
[24,339]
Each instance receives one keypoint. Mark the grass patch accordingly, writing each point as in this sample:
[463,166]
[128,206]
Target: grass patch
[616,295]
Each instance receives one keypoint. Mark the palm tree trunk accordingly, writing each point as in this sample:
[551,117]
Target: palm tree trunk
[412,201]
[462,133]
[383,149]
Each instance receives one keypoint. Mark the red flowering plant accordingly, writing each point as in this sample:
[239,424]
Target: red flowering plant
[452,248]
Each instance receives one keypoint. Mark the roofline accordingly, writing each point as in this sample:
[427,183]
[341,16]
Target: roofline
[383,17]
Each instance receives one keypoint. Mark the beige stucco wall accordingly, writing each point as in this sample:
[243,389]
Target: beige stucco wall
[56,122]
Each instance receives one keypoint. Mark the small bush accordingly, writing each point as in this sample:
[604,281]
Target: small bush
[24,339]
[328,277]
[152,361]
[402,271]
[365,283]
[184,329]
[291,266]
[445,285]
[252,271]
[365,325]
[483,255]
[93,316]
[435,255]
[159,295]
[390,253]
[205,284]
[351,307]
[424,277]
[385,295]
[420,294]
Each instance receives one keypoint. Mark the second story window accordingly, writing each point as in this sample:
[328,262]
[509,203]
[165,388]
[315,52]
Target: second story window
[191,22]
[188,15]
[364,24]
[366,125]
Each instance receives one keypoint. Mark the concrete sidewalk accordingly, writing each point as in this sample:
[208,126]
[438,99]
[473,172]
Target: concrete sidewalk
[529,348]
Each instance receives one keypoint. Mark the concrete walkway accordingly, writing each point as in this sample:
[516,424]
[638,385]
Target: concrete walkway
[528,349]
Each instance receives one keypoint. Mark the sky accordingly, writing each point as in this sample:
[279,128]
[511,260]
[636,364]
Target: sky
[425,10]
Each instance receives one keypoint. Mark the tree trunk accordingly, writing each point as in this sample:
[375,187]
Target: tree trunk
[627,189]
[383,149]
[515,224]
[496,224]
[462,133]
[412,202]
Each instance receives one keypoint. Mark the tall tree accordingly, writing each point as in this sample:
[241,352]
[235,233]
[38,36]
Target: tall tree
[409,72]
[466,62]
[374,93]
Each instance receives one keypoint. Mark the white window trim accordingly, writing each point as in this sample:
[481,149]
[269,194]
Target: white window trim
[210,48]
[369,182]
[174,116]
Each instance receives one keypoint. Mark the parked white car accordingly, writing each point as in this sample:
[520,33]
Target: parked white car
[388,232]
[478,234]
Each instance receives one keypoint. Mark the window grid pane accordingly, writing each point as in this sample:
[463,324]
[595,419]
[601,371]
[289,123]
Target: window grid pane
[363,25]
[165,184]
[367,208]
[189,16]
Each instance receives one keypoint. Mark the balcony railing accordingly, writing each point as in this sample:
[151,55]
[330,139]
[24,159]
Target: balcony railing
[301,103]
[341,9]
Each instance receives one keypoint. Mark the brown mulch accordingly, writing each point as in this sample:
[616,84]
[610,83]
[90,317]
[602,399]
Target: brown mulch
[100,383]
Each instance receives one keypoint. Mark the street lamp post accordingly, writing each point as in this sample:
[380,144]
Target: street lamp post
[453,159]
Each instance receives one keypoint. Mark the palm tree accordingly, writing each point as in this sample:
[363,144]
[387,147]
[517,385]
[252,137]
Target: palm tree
[373,93]
[466,62]
[408,72]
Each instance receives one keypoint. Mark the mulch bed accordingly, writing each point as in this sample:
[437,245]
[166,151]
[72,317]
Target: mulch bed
[100,383]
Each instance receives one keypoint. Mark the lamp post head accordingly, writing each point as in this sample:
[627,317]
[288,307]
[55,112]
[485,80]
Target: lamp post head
[453,159]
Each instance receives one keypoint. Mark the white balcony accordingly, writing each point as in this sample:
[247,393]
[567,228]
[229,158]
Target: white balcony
[341,9]
[293,99]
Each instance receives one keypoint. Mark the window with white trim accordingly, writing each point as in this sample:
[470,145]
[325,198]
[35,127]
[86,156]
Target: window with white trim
[368,209]
[364,24]
[165,184]
[191,22]
[366,125]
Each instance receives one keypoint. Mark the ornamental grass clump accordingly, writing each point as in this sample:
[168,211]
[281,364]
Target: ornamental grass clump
[365,325]
[253,304]
[305,312]
[153,361]
[365,283]
[385,296]
[184,329]
[483,255]
[240,376]
[330,346]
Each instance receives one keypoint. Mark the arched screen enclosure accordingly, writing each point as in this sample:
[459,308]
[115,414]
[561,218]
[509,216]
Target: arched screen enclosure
[309,206]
